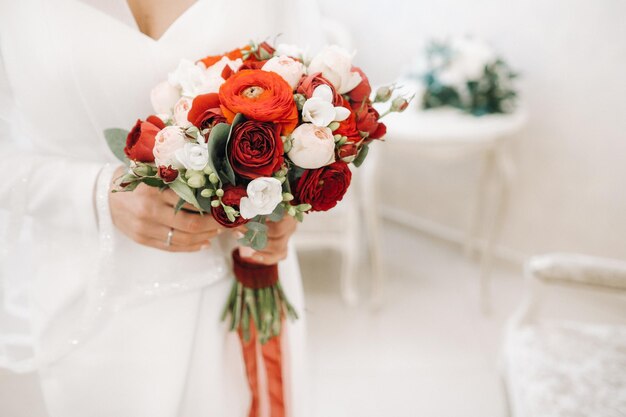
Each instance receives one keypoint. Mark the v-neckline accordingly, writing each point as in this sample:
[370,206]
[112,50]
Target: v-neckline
[174,23]
[131,21]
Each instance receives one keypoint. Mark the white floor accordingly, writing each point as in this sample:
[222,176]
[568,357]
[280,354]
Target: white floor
[427,352]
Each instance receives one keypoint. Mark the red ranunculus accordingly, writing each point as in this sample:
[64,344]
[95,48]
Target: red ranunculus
[205,111]
[348,127]
[362,91]
[232,196]
[255,149]
[168,174]
[322,188]
[310,82]
[140,141]
[367,120]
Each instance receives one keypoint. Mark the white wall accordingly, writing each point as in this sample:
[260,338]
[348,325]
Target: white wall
[570,189]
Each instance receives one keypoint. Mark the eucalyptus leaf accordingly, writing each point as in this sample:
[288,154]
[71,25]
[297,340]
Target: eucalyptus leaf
[260,241]
[361,156]
[256,227]
[116,139]
[278,213]
[185,192]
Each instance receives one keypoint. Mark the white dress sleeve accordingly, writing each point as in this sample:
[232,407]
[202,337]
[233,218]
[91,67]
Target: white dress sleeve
[57,190]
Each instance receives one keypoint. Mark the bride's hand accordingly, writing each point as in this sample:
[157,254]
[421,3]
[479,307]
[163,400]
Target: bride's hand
[278,235]
[147,215]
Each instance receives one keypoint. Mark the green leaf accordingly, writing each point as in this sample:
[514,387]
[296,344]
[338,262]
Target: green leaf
[179,205]
[256,227]
[152,182]
[217,147]
[259,242]
[116,139]
[361,156]
[185,192]
[278,213]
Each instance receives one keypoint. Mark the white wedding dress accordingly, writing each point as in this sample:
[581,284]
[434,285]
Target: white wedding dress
[112,327]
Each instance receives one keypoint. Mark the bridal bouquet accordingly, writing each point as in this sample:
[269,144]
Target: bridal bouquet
[466,73]
[251,136]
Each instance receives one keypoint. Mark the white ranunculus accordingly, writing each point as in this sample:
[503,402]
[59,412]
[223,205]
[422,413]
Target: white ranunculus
[167,143]
[288,68]
[312,146]
[163,97]
[181,109]
[264,194]
[319,109]
[194,79]
[193,156]
[335,64]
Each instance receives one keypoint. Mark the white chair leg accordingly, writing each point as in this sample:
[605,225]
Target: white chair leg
[477,214]
[503,172]
[350,259]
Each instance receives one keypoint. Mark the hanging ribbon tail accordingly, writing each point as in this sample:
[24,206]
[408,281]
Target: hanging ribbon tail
[262,357]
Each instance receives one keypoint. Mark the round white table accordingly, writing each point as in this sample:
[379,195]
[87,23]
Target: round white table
[448,133]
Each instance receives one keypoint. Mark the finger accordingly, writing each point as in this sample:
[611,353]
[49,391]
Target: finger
[185,221]
[170,198]
[179,237]
[158,244]
[285,227]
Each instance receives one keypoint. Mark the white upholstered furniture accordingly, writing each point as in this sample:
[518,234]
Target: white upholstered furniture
[565,349]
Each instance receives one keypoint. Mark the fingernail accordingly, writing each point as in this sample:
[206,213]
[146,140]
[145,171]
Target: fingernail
[205,246]
[219,231]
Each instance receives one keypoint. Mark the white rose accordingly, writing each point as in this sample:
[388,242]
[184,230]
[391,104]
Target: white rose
[288,68]
[163,97]
[193,156]
[319,109]
[312,147]
[181,109]
[264,194]
[194,79]
[335,64]
[166,143]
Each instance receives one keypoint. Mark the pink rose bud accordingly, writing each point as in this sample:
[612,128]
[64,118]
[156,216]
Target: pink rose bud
[399,104]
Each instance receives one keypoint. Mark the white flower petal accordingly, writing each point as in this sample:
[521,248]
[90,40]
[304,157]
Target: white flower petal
[318,112]
[323,92]
[341,114]
[246,208]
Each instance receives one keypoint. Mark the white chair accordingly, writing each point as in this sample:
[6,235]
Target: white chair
[565,349]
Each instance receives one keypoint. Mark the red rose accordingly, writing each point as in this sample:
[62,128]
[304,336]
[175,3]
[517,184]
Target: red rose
[322,188]
[140,141]
[232,196]
[256,149]
[348,127]
[205,111]
[310,82]
[252,64]
[362,91]
[259,95]
[168,174]
[367,120]
[156,120]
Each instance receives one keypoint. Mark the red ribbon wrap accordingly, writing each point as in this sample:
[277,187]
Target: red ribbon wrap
[256,276]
